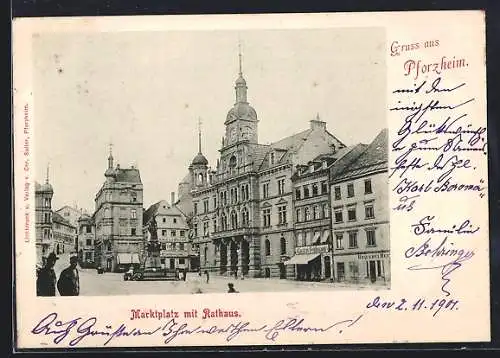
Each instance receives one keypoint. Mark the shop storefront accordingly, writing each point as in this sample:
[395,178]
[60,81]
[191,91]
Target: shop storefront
[363,267]
[312,263]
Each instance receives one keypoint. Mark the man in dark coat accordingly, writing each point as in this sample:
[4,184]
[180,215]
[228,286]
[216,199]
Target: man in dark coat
[46,277]
[69,280]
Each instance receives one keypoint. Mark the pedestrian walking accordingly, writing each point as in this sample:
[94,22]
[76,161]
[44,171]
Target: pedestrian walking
[184,274]
[208,276]
[69,280]
[46,277]
[231,288]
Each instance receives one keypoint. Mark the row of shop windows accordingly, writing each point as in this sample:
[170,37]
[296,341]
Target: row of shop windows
[374,269]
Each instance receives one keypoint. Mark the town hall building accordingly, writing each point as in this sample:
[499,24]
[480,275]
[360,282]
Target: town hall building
[242,211]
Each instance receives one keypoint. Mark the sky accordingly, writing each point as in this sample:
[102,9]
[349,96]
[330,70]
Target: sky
[145,92]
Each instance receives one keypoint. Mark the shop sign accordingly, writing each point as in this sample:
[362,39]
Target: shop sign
[306,250]
[377,256]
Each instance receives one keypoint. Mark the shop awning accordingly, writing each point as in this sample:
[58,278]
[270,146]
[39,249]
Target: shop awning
[301,259]
[326,236]
[126,258]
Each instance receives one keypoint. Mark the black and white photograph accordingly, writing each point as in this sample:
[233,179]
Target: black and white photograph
[193,162]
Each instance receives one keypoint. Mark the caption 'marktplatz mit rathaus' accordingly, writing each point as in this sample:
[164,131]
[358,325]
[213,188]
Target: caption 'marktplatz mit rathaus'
[306,207]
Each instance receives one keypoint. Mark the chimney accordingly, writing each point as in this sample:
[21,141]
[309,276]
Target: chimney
[316,124]
[172,198]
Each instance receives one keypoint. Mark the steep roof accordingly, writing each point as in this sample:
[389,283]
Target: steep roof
[57,218]
[375,157]
[293,141]
[150,212]
[129,175]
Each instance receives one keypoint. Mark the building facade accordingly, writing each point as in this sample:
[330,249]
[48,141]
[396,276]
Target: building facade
[242,213]
[360,216]
[64,234]
[86,241]
[172,234]
[313,256]
[118,218]
[71,214]
[44,241]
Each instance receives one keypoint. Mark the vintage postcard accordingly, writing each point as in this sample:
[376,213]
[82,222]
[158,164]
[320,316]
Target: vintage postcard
[251,180]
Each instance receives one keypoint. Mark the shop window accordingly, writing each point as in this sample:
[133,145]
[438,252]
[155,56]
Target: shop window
[340,271]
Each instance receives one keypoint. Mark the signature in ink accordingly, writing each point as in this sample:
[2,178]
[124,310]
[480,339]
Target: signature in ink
[459,257]
[76,329]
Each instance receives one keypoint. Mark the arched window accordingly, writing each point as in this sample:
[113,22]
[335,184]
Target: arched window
[224,221]
[244,217]
[200,178]
[283,245]
[232,164]
[107,213]
[268,247]
[234,220]
[299,216]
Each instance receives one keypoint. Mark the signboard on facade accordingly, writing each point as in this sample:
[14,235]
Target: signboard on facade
[374,256]
[306,250]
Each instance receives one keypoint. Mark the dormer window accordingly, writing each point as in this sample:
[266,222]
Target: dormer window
[271,159]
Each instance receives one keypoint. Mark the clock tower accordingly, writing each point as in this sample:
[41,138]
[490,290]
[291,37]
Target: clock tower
[241,121]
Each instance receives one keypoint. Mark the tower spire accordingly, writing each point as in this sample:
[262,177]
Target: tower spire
[110,157]
[239,58]
[199,135]
[47,175]
[241,84]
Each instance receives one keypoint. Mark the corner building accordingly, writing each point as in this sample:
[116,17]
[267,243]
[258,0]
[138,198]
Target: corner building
[118,219]
[242,212]
[360,217]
